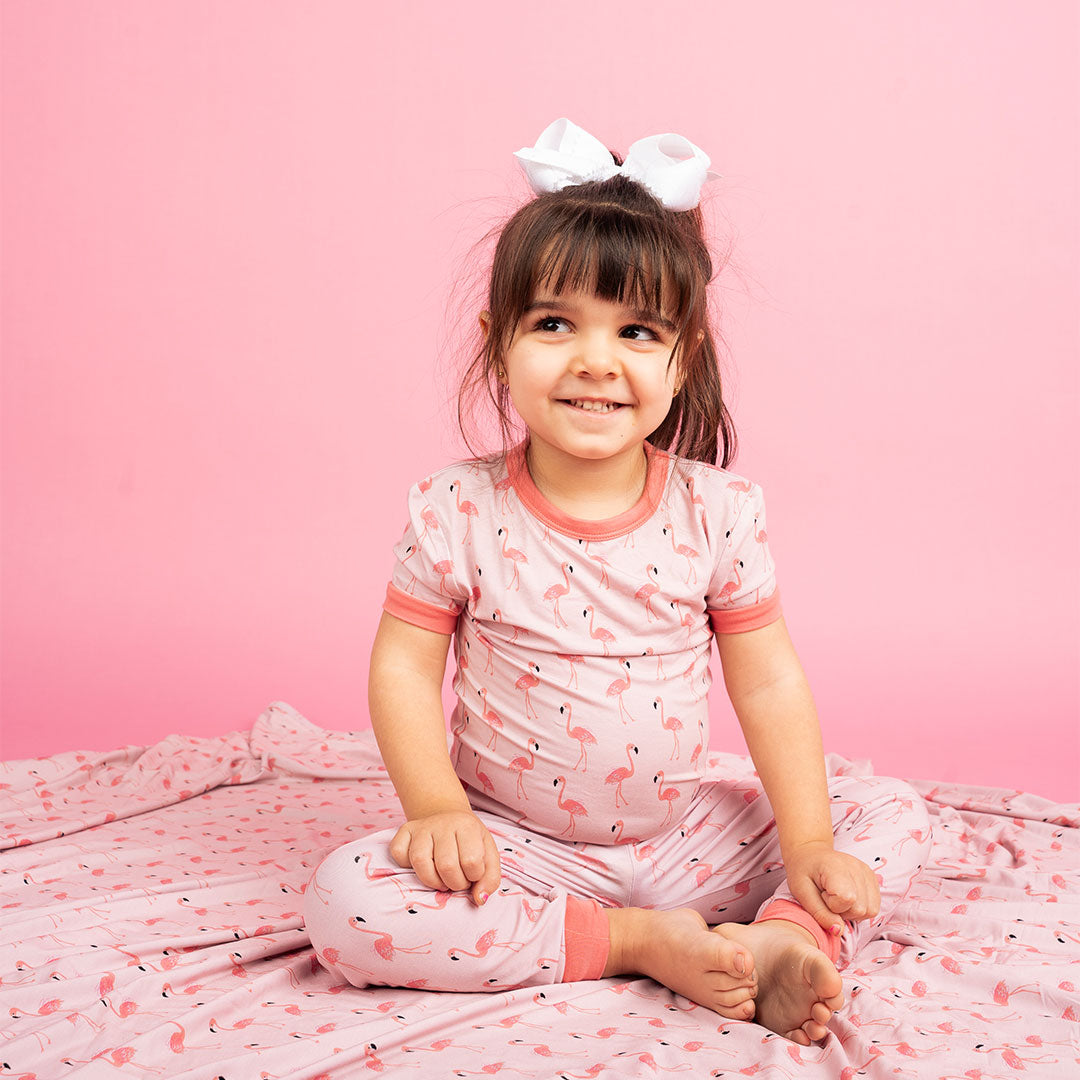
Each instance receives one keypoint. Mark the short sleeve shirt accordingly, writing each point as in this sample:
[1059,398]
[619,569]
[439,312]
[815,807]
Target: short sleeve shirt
[582,647]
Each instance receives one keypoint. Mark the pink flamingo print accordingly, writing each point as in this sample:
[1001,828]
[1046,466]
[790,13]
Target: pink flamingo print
[467,508]
[668,795]
[601,634]
[617,776]
[571,660]
[740,487]
[669,723]
[569,805]
[484,779]
[431,522]
[491,717]
[515,556]
[696,499]
[384,944]
[556,591]
[504,487]
[688,553]
[762,538]
[526,682]
[731,587]
[521,764]
[605,566]
[618,688]
[484,944]
[583,736]
[444,568]
[648,590]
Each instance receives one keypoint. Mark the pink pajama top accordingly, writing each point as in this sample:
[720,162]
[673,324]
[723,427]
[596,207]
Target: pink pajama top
[582,647]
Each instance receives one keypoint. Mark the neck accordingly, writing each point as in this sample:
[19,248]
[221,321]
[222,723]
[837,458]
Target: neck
[584,488]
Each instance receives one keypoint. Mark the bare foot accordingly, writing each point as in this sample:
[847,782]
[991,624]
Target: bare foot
[678,949]
[798,986]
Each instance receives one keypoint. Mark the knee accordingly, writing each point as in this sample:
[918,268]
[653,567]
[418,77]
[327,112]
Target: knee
[352,882]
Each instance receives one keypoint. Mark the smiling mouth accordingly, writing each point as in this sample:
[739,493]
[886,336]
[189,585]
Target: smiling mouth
[593,406]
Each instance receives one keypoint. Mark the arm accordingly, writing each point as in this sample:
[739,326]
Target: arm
[405,698]
[446,844]
[772,700]
[771,697]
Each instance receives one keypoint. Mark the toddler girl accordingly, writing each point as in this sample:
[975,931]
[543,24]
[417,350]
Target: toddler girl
[582,575]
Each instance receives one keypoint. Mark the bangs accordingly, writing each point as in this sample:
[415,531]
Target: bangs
[617,257]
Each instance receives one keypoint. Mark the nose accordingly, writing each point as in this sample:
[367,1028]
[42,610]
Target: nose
[596,356]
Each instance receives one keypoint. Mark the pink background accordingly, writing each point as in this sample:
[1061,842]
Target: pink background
[229,235]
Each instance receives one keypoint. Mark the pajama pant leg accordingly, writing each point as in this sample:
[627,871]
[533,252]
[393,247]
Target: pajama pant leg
[373,922]
[723,860]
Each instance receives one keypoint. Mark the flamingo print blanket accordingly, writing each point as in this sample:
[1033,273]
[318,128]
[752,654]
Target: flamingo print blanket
[151,927]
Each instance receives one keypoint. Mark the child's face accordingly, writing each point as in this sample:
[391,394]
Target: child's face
[579,347]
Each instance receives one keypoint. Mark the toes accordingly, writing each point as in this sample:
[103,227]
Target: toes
[814,1030]
[734,959]
[820,1013]
[730,998]
[799,1036]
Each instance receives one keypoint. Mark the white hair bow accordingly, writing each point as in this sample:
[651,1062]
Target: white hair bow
[669,166]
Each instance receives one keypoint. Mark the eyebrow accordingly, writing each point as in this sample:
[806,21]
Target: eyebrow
[560,305]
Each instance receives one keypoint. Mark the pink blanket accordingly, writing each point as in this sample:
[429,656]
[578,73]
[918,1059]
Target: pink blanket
[151,927]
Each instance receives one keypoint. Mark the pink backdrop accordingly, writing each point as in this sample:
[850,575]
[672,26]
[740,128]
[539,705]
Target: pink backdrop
[229,234]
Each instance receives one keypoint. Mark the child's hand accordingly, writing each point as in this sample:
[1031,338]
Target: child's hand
[829,883]
[451,850]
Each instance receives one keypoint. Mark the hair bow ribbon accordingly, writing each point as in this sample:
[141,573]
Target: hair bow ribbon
[670,166]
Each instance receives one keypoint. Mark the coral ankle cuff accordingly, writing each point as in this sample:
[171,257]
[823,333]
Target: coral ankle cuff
[789,911]
[586,940]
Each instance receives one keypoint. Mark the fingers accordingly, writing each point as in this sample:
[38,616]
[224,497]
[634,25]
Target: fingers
[489,879]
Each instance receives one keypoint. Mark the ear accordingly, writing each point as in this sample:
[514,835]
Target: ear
[700,336]
[485,323]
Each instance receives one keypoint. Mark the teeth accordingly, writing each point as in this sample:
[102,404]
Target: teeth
[595,406]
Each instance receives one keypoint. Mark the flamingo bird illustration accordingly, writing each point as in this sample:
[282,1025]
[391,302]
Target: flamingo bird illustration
[526,682]
[427,515]
[515,556]
[618,688]
[648,590]
[731,587]
[688,553]
[384,944]
[521,764]
[571,660]
[668,795]
[484,944]
[669,723]
[491,717]
[742,487]
[762,538]
[601,634]
[556,591]
[583,736]
[467,508]
[569,805]
[696,499]
[617,776]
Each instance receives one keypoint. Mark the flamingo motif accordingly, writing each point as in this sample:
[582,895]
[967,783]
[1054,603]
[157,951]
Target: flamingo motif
[556,591]
[669,723]
[668,795]
[583,736]
[618,688]
[384,944]
[521,764]
[762,538]
[601,634]
[617,776]
[515,556]
[731,587]
[484,944]
[491,717]
[648,590]
[569,805]
[571,660]
[526,682]
[467,508]
[688,553]
[431,522]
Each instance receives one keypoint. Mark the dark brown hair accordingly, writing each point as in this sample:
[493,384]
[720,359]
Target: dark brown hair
[615,238]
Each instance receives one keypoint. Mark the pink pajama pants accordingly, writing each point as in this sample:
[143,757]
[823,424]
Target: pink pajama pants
[373,922]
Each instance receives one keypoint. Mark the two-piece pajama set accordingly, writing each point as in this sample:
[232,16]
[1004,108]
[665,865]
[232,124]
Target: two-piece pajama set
[581,734]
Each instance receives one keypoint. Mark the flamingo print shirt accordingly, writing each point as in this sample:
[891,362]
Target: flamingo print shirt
[582,647]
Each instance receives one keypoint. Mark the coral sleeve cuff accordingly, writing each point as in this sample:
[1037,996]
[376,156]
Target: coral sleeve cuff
[402,605]
[740,619]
